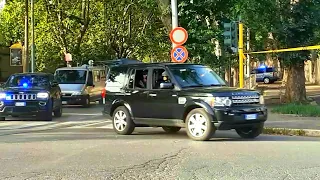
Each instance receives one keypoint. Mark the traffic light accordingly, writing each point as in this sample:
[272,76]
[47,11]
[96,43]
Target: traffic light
[231,36]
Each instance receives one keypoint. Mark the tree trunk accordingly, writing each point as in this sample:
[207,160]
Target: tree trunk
[316,69]
[295,85]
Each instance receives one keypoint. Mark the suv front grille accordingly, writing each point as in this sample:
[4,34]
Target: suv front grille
[21,97]
[238,100]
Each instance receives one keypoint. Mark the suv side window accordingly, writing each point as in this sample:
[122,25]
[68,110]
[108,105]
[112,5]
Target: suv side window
[116,79]
[159,76]
[139,79]
[90,78]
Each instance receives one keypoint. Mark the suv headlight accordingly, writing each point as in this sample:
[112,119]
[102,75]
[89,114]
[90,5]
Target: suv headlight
[76,93]
[42,95]
[2,95]
[219,101]
[261,99]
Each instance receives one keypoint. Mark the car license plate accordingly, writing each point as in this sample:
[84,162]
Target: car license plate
[64,102]
[20,104]
[250,116]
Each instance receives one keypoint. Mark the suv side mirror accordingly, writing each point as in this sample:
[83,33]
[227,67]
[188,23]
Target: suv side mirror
[166,86]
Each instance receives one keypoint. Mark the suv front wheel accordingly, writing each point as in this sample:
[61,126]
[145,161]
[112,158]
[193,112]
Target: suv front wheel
[199,125]
[250,132]
[171,129]
[122,121]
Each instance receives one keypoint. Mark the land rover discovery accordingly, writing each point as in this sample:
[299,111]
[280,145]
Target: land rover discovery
[175,96]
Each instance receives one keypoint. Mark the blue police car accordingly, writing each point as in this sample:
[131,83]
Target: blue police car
[265,74]
[30,94]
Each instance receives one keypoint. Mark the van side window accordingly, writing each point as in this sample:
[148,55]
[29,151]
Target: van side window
[90,78]
[116,79]
[103,75]
[96,75]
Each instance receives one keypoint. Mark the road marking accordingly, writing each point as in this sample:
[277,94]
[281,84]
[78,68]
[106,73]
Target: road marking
[109,126]
[83,114]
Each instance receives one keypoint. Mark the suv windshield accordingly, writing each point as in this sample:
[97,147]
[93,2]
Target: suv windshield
[71,76]
[28,81]
[196,76]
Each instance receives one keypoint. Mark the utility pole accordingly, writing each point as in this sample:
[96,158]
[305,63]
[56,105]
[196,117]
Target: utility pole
[174,9]
[26,37]
[32,37]
[241,56]
[248,56]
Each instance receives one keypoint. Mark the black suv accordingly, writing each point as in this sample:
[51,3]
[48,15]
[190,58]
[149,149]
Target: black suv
[27,94]
[173,96]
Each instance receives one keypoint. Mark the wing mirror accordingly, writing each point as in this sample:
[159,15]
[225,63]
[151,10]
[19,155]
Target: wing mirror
[166,86]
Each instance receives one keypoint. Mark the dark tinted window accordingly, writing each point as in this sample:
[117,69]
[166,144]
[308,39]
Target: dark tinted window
[71,76]
[116,79]
[196,76]
[270,70]
[28,81]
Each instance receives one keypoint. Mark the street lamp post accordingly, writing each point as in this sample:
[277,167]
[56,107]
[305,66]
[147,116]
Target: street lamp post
[26,38]
[32,37]
[174,9]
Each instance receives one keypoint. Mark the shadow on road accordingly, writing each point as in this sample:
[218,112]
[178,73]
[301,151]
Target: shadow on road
[109,134]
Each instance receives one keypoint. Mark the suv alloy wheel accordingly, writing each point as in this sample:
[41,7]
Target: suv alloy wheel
[199,125]
[122,122]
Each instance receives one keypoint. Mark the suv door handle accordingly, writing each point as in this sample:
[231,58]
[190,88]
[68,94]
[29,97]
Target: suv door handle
[153,95]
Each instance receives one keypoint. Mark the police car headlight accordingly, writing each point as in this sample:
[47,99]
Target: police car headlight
[42,95]
[261,99]
[219,101]
[2,95]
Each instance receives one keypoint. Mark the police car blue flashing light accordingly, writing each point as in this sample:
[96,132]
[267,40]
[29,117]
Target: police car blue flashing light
[262,67]
[25,85]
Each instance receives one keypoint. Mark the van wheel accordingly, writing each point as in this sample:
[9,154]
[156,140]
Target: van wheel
[86,102]
[58,112]
[266,80]
[171,129]
[199,125]
[122,121]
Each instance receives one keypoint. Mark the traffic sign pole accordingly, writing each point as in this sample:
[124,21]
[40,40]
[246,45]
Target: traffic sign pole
[241,55]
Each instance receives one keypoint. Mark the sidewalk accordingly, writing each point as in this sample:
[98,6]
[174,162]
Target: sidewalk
[292,125]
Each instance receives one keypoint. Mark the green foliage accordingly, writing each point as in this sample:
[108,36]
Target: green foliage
[298,109]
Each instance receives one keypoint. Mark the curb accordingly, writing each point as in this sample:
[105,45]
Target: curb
[291,132]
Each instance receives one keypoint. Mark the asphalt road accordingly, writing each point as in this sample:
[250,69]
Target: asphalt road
[82,145]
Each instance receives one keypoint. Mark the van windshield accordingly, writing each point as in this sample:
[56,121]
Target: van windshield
[71,76]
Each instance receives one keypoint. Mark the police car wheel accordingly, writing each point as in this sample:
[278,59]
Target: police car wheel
[199,125]
[122,121]
[266,80]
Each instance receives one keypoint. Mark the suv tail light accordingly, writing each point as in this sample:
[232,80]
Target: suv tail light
[103,93]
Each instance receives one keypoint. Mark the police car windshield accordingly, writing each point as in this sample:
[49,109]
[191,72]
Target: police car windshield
[28,81]
[198,76]
[71,76]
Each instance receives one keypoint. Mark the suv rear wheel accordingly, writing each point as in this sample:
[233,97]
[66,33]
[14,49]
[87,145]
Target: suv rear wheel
[171,129]
[199,125]
[122,121]
[250,132]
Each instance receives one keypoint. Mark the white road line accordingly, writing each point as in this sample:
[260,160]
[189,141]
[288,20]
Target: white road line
[22,125]
[109,126]
[83,114]
[89,125]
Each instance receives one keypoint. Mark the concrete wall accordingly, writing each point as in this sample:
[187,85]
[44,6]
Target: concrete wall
[5,69]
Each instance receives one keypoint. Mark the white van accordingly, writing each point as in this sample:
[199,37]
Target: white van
[81,85]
